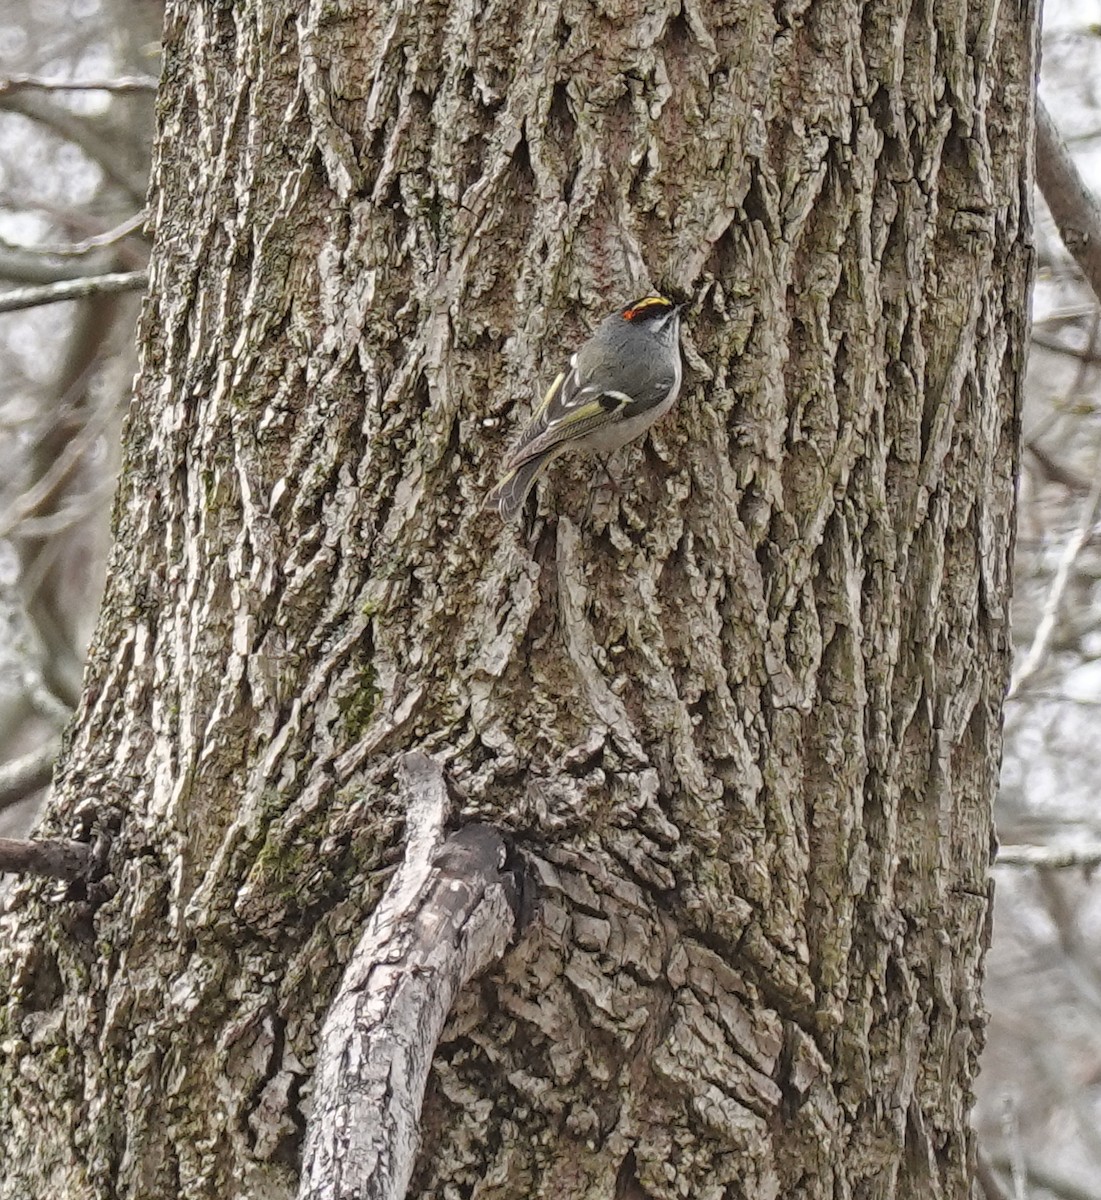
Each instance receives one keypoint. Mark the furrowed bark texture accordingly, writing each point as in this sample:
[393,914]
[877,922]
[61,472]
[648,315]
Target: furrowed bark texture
[744,720]
[449,913]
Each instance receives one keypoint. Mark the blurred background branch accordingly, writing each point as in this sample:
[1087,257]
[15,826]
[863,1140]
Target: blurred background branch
[77,85]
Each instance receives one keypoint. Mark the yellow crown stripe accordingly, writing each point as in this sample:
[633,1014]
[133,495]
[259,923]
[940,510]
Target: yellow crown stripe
[632,310]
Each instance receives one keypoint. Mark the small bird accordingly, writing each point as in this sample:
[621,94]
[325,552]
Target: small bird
[617,385]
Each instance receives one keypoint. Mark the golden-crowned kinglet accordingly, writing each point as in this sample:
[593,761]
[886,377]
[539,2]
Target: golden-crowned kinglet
[617,385]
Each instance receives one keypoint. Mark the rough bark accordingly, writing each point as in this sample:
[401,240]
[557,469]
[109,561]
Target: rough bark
[744,720]
[449,913]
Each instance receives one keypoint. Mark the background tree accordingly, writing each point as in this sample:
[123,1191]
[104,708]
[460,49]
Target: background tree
[73,171]
[742,721]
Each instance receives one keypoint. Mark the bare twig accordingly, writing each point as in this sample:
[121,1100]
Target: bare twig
[41,696]
[1086,857]
[73,289]
[1070,312]
[96,241]
[80,508]
[1046,342]
[32,267]
[1050,1180]
[1015,1157]
[58,858]
[121,84]
[1045,630]
[1072,203]
[988,1179]
[80,131]
[14,517]
[23,776]
[1032,696]
[50,262]
[447,914]
[1055,471]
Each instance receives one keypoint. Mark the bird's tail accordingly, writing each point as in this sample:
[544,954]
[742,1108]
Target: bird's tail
[509,495]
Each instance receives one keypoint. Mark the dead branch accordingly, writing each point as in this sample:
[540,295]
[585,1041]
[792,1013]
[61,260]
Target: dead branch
[72,289]
[1086,857]
[28,773]
[449,912]
[121,84]
[1073,205]
[58,858]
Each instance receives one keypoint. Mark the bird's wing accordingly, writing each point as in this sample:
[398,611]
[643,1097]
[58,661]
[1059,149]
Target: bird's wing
[570,409]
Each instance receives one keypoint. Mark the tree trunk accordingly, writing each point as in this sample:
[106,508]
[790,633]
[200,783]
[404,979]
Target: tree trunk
[742,719]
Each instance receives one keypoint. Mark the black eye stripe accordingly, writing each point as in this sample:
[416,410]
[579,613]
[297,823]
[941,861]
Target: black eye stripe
[608,403]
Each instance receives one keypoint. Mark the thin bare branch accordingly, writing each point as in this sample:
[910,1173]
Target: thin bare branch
[1084,354]
[57,858]
[21,265]
[1073,205]
[1054,471]
[80,131]
[14,517]
[1015,1158]
[988,1180]
[24,776]
[1070,312]
[48,262]
[80,508]
[73,289]
[1045,630]
[122,84]
[1039,697]
[1050,1181]
[97,241]
[1087,857]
